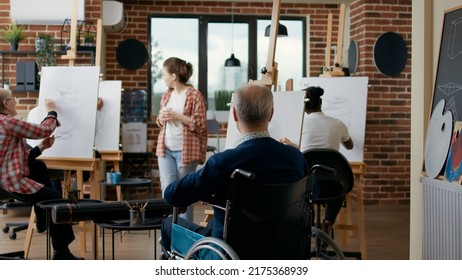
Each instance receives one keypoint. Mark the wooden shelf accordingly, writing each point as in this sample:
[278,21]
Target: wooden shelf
[90,52]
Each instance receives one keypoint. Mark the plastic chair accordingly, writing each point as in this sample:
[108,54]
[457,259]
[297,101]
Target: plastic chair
[329,185]
[11,204]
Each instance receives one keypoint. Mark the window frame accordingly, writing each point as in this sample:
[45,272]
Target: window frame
[252,20]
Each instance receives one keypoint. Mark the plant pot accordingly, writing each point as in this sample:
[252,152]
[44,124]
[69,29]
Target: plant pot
[14,46]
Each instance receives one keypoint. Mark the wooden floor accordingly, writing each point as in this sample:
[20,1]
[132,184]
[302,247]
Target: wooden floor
[387,231]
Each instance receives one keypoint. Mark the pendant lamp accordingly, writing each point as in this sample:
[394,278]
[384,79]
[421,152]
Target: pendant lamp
[232,61]
[282,31]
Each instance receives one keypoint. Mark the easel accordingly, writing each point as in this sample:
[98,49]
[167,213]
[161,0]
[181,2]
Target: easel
[337,70]
[345,220]
[269,77]
[270,71]
[116,157]
[72,164]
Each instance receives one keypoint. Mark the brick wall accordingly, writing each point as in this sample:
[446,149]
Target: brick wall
[28,100]
[387,138]
[388,117]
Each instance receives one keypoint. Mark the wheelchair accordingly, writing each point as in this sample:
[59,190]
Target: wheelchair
[261,222]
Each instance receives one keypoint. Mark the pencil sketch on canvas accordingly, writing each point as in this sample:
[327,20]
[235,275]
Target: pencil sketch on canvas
[75,92]
[345,98]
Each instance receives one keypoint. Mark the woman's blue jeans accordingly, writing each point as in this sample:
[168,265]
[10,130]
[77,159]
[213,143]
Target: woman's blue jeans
[170,169]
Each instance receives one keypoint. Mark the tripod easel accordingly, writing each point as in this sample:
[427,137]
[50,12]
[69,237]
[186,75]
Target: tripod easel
[116,157]
[329,71]
[92,165]
[270,71]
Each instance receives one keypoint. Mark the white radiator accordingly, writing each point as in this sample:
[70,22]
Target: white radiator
[442,220]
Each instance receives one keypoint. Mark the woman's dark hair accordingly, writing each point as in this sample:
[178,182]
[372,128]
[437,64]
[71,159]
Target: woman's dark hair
[313,96]
[181,68]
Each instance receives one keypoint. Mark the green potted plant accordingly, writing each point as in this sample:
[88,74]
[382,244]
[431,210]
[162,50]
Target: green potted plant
[13,34]
[89,39]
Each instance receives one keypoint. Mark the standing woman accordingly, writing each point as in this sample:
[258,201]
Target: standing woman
[182,142]
[15,175]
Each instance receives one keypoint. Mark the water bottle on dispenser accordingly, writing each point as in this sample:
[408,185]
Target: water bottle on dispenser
[134,106]
[134,128]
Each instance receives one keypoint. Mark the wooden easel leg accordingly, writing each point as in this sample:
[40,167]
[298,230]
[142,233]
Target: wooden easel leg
[83,238]
[362,226]
[349,213]
[345,225]
[119,192]
[341,235]
[67,181]
[29,233]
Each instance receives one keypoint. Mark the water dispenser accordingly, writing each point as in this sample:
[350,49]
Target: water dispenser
[134,106]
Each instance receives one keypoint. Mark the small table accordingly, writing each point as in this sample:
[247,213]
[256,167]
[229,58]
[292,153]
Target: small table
[48,205]
[124,225]
[129,182]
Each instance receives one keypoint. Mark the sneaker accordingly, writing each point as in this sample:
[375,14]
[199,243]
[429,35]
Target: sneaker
[65,255]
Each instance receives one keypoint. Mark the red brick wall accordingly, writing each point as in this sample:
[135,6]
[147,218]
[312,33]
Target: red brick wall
[387,139]
[388,113]
[28,100]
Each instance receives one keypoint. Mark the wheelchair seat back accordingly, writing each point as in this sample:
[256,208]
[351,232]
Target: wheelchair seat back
[268,221]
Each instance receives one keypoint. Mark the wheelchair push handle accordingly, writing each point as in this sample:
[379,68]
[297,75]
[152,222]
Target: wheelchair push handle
[243,173]
[325,168]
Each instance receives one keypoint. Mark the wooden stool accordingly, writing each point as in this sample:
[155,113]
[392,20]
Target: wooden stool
[345,220]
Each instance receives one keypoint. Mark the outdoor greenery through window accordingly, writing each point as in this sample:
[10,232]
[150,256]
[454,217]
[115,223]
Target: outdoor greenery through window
[207,41]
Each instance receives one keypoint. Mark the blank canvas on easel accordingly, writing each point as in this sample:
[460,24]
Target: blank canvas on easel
[108,118]
[75,91]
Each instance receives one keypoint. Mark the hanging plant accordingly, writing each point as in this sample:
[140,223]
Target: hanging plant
[45,50]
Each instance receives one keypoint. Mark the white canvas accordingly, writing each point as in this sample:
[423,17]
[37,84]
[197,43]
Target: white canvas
[287,119]
[345,98]
[75,91]
[107,133]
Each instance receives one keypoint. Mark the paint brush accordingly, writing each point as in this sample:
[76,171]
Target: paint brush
[128,204]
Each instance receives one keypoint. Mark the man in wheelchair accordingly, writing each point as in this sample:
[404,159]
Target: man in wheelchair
[267,158]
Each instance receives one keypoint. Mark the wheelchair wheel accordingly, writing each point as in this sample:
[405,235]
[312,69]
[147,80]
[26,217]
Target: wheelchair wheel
[330,252]
[211,248]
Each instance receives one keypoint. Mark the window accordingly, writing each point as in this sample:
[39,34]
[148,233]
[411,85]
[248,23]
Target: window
[171,37]
[207,41]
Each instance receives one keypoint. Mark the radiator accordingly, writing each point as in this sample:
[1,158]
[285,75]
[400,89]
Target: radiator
[442,220]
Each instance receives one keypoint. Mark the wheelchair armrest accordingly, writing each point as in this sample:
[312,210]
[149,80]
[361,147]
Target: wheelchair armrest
[212,204]
[243,173]
[325,168]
